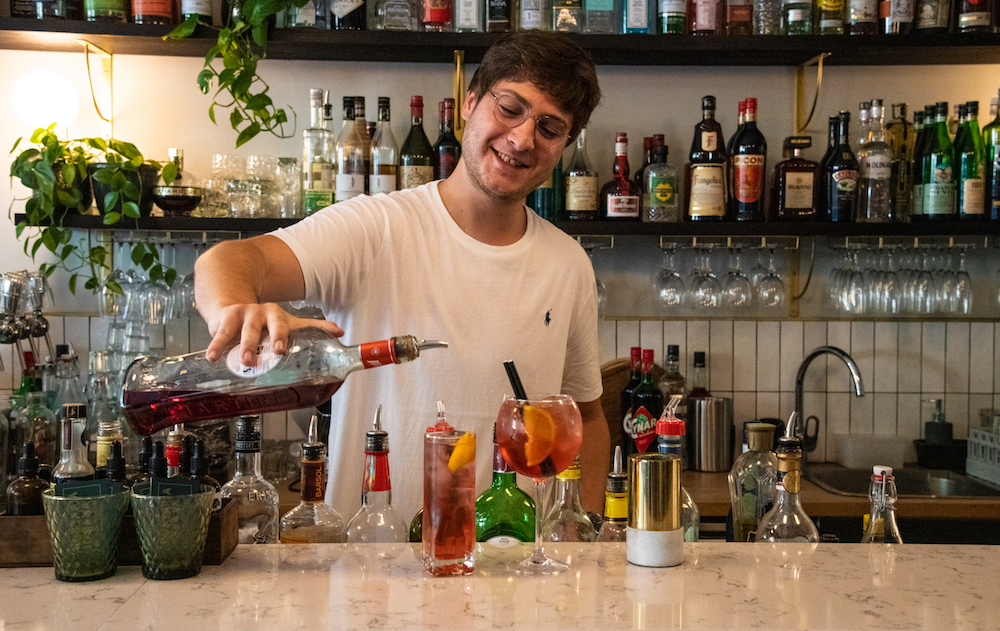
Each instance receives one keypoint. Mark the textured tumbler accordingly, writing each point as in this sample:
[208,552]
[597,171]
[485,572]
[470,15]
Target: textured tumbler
[172,531]
[85,532]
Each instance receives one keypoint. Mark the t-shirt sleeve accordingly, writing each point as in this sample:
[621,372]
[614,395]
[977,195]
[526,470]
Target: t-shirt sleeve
[582,372]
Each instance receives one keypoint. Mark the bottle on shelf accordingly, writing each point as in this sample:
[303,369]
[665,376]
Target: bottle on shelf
[931,17]
[118,10]
[670,439]
[919,147]
[415,162]
[546,199]
[108,432]
[615,522]
[938,162]
[705,17]
[393,15]
[157,392]
[671,17]
[312,14]
[831,144]
[599,17]
[796,17]
[739,17]
[567,521]
[991,159]
[875,172]
[187,452]
[348,15]
[749,172]
[829,17]
[255,497]
[796,183]
[881,525]
[660,194]
[705,173]
[469,15]
[841,176]
[436,16]
[581,184]
[673,382]
[200,471]
[787,522]
[620,196]
[317,160]
[895,17]
[862,17]
[24,493]
[151,11]
[639,17]
[635,378]
[157,462]
[504,512]
[975,16]
[699,378]
[366,139]
[529,15]
[639,430]
[864,116]
[901,136]
[647,157]
[567,16]
[350,181]
[312,521]
[752,481]
[38,424]
[446,150]
[73,464]
[384,153]
[970,160]
[114,468]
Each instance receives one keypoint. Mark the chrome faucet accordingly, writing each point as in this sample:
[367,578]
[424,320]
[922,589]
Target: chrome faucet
[797,425]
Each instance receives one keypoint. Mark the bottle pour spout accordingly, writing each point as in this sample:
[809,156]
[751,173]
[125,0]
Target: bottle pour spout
[423,345]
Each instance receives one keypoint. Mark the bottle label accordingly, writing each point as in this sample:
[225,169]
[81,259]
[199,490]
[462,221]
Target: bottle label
[376,472]
[615,506]
[265,360]
[709,141]
[876,168]
[641,427]
[673,7]
[173,455]
[862,11]
[412,176]
[188,7]
[623,206]
[749,175]
[739,11]
[581,193]
[846,180]
[437,12]
[396,15]
[381,353]
[969,20]
[708,192]
[901,11]
[662,189]
[350,185]
[467,14]
[531,14]
[104,449]
[381,184]
[799,190]
[790,480]
[705,14]
[832,6]
[973,196]
[918,200]
[313,480]
[637,16]
[161,8]
[503,541]
[939,199]
[931,14]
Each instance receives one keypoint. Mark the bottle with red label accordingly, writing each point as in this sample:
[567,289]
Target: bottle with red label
[620,195]
[436,15]
[376,521]
[191,389]
[749,169]
[639,431]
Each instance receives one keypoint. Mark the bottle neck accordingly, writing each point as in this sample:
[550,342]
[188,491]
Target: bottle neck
[383,114]
[698,377]
[671,444]
[376,488]
[708,115]
[567,493]
[834,134]
[316,116]
[417,116]
[248,464]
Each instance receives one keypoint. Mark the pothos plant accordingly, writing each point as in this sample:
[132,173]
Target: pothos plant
[56,171]
[239,47]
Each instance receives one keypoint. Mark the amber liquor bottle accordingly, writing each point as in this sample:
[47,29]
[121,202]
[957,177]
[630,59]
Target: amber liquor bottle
[796,182]
[705,173]
[620,195]
[749,161]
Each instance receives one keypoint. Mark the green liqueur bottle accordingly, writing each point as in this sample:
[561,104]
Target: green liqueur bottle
[938,164]
[639,431]
[970,160]
[504,511]
[991,140]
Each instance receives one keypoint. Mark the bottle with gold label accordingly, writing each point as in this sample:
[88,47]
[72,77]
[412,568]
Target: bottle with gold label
[567,521]
[581,184]
[787,522]
[312,521]
[705,173]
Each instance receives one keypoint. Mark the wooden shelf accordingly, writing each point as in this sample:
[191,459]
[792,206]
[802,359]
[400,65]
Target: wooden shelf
[641,50]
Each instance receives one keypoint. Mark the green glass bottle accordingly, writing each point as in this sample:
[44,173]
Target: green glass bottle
[991,140]
[417,527]
[504,511]
[938,165]
[917,198]
[639,431]
[970,184]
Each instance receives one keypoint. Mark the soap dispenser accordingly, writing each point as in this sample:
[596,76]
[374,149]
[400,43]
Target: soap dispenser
[937,432]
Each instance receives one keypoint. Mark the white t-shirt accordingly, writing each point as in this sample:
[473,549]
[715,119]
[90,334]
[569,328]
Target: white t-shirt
[399,264]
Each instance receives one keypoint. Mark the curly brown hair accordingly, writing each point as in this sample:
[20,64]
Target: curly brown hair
[553,62]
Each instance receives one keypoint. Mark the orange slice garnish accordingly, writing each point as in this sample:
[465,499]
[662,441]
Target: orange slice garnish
[541,430]
[464,452]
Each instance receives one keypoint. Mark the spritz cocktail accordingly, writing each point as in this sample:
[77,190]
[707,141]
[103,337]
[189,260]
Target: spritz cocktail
[449,520]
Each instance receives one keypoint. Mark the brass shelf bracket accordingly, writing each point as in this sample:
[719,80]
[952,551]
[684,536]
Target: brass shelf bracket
[802,120]
[105,84]
[459,93]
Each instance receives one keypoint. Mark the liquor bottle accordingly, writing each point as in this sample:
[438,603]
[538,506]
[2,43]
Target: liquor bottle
[741,121]
[639,18]
[959,130]
[938,161]
[829,17]
[647,157]
[670,432]
[970,160]
[875,172]
[366,139]
[415,164]
[660,194]
[118,10]
[312,521]
[446,150]
[142,469]
[567,16]
[796,17]
[673,382]
[705,175]
[73,464]
[635,365]
[991,159]
[705,17]
[384,149]
[312,14]
[200,467]
[882,527]
[312,369]
[864,115]
[901,136]
[348,15]
[158,462]
[107,432]
[317,161]
[639,431]
[599,16]
[187,452]
[895,17]
[544,200]
[567,521]
[752,481]
[255,497]
[919,147]
[581,184]
[931,17]
[114,468]
[436,16]
[699,378]
[749,160]
[671,17]
[504,512]
[350,157]
[39,425]
[499,18]
[787,522]
[862,17]
[24,494]
[529,15]
[469,15]
[739,17]
[841,176]
[832,138]
[394,15]
[615,523]
[620,195]
[796,183]
[152,11]
[974,16]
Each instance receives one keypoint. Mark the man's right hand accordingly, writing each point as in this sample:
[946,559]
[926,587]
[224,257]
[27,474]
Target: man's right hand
[246,323]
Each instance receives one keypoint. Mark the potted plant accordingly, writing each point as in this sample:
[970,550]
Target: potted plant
[60,174]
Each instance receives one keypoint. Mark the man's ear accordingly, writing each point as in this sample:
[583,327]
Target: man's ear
[470,104]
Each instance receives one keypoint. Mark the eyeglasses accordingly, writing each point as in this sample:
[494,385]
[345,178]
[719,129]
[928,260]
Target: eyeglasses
[510,112]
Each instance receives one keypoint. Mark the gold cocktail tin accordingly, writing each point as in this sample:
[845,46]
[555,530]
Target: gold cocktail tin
[654,492]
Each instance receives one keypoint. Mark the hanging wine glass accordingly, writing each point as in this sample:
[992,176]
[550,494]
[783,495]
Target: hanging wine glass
[738,291]
[602,291]
[771,291]
[669,285]
[706,292]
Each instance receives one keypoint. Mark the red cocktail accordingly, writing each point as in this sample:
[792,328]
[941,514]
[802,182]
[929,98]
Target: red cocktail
[449,522]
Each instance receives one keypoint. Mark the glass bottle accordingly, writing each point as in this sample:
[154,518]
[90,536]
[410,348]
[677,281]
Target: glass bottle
[635,365]
[317,160]
[615,523]
[567,521]
[202,9]
[255,497]
[705,174]
[312,14]
[931,16]
[749,169]
[152,11]
[699,378]
[975,16]
[670,432]
[739,17]
[384,151]
[503,511]
[787,522]
[673,383]
[581,184]
[107,432]
[416,533]
[796,183]
[938,164]
[469,16]
[705,17]
[862,17]
[671,17]
[200,467]
[638,18]
[829,17]
[620,195]
[350,157]
[824,162]
[145,453]
[38,424]
[394,15]
[312,521]
[841,176]
[901,136]
[415,165]
[446,150]
[158,392]
[118,10]
[752,481]
[73,464]
[895,17]
[545,200]
[639,429]
[567,16]
[24,493]
[919,148]
[991,158]
[647,157]
[969,158]
[529,15]
[172,448]
[436,16]
[366,139]
[875,172]
[114,467]
[660,193]
[796,17]
[599,16]
[347,15]
[881,527]
[767,17]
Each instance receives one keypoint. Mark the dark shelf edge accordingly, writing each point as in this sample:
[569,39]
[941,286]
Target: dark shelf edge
[167,224]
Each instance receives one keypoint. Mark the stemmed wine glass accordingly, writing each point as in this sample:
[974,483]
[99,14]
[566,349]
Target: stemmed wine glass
[539,437]
[771,290]
[737,292]
[705,288]
[669,284]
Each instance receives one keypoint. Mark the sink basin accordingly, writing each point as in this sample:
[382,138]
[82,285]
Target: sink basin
[915,482]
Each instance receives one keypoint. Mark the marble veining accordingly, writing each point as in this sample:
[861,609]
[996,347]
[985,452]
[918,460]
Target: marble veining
[719,586]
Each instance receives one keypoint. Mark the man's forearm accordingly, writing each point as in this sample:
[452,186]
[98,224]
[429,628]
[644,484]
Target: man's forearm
[594,460]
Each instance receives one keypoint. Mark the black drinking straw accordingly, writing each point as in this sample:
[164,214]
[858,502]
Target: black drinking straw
[515,380]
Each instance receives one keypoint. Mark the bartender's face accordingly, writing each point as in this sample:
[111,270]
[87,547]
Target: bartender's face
[508,162]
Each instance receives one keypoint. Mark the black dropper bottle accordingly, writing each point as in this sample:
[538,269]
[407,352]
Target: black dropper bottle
[24,495]
[184,468]
[200,466]
[115,466]
[145,453]
[158,461]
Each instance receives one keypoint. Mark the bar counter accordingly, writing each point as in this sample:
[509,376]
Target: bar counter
[719,586]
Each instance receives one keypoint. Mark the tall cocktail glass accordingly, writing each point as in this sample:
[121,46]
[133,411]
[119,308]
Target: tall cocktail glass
[539,437]
[449,522]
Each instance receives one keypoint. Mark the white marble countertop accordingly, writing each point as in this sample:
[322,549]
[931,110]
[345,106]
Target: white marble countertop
[719,586]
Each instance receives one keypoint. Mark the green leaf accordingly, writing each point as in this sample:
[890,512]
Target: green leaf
[110,202]
[147,260]
[19,228]
[66,252]
[72,284]
[14,148]
[205,80]
[184,29]
[114,287]
[104,175]
[259,102]
[130,191]
[169,276]
[98,254]
[111,218]
[211,113]
[118,181]
[241,84]
[235,118]
[48,240]
[169,173]
[259,34]
[249,132]
[138,250]
[34,248]
[91,283]
[155,273]
[213,52]
[131,209]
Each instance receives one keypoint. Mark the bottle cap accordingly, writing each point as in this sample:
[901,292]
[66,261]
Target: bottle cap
[61,350]
[617,478]
[383,101]
[187,450]
[941,109]
[972,108]
[670,427]
[247,437]
[621,137]
[751,106]
[27,465]
[116,462]
[881,470]
[699,359]
[442,421]
[348,108]
[658,140]
[359,107]
[673,353]
[416,101]
[316,96]
[145,452]
[798,142]
[660,151]
[200,463]
[377,439]
[654,497]
[708,102]
[760,436]
[158,461]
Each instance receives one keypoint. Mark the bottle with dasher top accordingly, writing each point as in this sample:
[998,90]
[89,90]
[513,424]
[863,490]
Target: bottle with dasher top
[393,15]
[376,521]
[447,150]
[620,196]
[350,157]
[504,512]
[705,173]
[881,524]
[660,193]
[567,521]
[749,172]
[970,163]
[566,16]
[875,172]
[172,448]
[938,161]
[158,462]
[673,381]
[415,163]
[752,481]
[615,523]
[309,372]
[670,432]
[739,17]
[255,497]
[73,464]
[200,467]
[312,521]
[469,16]
[599,17]
[639,430]
[24,493]
[900,135]
[499,18]
[841,176]
[581,184]
[382,178]
[38,424]
[317,160]
[787,522]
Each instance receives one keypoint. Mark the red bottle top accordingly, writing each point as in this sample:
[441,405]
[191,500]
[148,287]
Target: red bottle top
[417,106]
[670,427]
[647,360]
[751,109]
[636,357]
[658,140]
[621,157]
